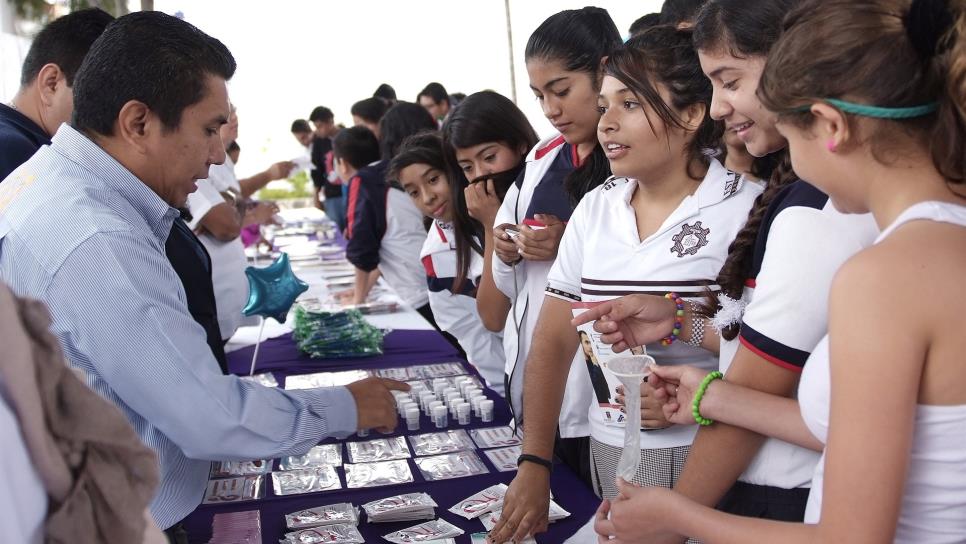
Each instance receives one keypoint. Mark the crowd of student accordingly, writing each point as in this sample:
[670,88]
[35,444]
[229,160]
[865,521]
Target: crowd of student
[767,195]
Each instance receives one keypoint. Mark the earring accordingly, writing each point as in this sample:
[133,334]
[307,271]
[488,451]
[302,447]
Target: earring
[831,145]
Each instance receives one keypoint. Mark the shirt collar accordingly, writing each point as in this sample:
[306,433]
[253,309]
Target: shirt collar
[718,184]
[25,123]
[157,214]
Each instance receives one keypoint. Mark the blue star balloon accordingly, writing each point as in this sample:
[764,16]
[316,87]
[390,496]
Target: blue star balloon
[273,289]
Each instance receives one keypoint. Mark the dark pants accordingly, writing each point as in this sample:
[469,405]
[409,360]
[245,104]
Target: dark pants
[765,502]
[427,314]
[176,534]
[335,209]
[575,453]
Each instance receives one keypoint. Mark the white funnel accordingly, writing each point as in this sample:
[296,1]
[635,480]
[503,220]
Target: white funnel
[631,371]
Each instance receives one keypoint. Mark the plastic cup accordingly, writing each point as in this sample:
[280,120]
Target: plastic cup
[463,413]
[486,411]
[439,417]
[412,419]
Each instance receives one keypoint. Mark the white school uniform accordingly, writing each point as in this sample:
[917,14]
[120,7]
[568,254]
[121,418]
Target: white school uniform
[801,243]
[455,310]
[524,285]
[601,257]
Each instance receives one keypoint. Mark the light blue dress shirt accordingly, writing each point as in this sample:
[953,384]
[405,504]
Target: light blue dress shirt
[84,235]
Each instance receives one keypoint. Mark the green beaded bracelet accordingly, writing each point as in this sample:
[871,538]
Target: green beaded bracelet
[699,394]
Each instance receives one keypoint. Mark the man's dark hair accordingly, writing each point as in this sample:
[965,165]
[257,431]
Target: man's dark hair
[435,91]
[357,146]
[385,92]
[150,57]
[645,22]
[64,42]
[370,109]
[321,114]
[301,125]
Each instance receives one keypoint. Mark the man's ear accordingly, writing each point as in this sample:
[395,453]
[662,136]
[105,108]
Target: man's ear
[135,123]
[48,80]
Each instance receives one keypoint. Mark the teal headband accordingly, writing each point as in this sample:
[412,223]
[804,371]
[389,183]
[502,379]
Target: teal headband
[877,111]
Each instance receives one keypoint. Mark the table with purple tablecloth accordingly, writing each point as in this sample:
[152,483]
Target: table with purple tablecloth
[402,348]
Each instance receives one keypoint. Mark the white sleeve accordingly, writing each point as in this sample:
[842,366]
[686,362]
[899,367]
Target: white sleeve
[503,273]
[222,177]
[563,282]
[202,201]
[788,313]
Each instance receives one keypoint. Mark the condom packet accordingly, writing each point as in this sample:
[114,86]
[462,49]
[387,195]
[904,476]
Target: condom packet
[228,469]
[380,449]
[305,480]
[504,459]
[377,474]
[329,534]
[451,465]
[495,437]
[330,514]
[425,532]
[441,442]
[243,488]
[326,454]
[406,507]
[481,502]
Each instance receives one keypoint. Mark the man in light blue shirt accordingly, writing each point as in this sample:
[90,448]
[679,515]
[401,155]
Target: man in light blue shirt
[82,227]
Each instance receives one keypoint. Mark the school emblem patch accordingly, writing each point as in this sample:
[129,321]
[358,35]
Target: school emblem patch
[690,239]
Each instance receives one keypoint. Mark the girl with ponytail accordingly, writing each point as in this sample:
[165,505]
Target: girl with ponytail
[886,134]
[563,58]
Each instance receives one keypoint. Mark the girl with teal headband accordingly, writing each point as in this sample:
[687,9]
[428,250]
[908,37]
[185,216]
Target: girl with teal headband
[886,134]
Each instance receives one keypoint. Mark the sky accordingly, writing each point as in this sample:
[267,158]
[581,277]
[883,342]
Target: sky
[294,55]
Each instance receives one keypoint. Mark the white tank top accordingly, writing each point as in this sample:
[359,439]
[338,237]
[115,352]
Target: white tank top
[934,501]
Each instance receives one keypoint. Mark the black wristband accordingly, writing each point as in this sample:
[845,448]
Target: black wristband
[534,459]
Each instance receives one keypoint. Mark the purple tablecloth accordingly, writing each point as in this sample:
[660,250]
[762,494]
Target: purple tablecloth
[403,348]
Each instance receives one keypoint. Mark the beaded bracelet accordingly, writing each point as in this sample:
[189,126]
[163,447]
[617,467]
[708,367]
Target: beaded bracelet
[699,394]
[678,319]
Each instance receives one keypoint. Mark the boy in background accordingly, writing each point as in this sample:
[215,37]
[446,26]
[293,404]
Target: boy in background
[384,229]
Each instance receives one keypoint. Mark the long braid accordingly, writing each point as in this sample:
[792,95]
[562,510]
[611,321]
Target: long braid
[736,267]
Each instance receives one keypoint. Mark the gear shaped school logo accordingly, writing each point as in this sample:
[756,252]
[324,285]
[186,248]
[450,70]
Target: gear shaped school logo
[690,239]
